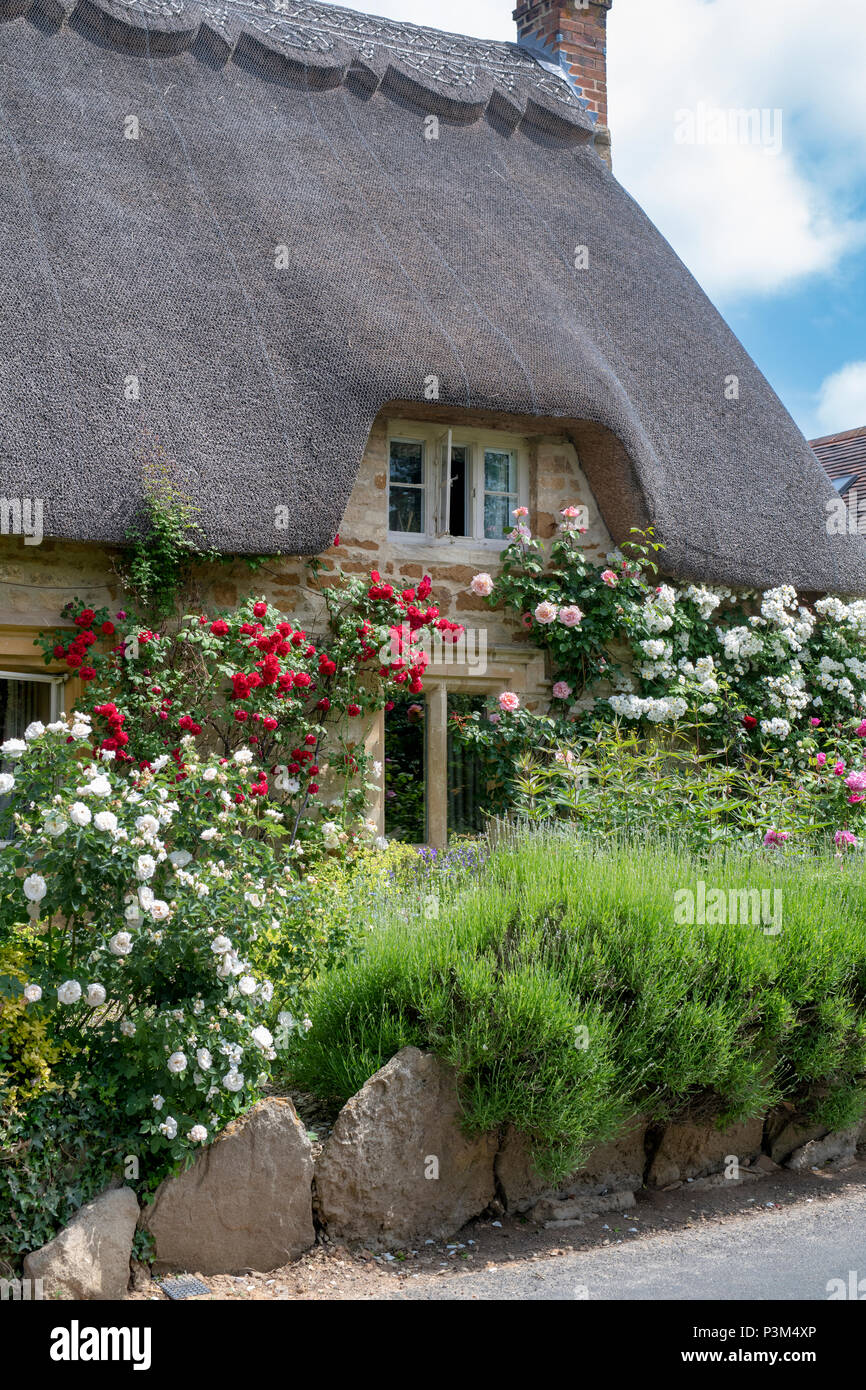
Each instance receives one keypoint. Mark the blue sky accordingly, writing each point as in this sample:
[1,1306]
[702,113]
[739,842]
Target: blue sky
[774,232]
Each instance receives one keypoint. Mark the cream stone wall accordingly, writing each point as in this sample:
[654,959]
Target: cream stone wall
[36,581]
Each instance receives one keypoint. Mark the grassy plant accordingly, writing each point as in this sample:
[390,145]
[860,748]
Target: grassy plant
[560,985]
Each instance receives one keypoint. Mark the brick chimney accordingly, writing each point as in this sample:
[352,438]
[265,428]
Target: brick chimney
[572,33]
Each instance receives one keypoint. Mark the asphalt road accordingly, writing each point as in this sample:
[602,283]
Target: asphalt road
[788,1253]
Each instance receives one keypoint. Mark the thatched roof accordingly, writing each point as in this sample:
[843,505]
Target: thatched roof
[281,252]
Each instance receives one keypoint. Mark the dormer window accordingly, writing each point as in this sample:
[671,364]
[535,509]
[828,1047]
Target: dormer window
[447,485]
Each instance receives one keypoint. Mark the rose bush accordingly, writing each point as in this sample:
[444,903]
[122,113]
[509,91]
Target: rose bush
[140,913]
[249,679]
[760,682]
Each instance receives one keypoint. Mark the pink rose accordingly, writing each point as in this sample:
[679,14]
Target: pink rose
[482,585]
[509,701]
[844,837]
[839,768]
[856,782]
[520,511]
[570,616]
[545,612]
[775,837]
[860,731]
[561,691]
[609,578]
[821,759]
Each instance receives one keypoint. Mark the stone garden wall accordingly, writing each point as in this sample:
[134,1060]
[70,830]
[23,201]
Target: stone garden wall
[395,1170]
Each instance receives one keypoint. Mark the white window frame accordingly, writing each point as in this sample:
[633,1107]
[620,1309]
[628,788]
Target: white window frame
[41,678]
[437,442]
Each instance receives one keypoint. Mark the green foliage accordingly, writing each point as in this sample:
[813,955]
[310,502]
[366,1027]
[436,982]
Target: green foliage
[164,546]
[27,1052]
[555,936]
[64,1149]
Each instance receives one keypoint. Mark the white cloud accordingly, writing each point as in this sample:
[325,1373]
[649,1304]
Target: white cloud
[842,399]
[745,221]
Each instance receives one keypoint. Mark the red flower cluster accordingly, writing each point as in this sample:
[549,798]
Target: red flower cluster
[117,739]
[75,652]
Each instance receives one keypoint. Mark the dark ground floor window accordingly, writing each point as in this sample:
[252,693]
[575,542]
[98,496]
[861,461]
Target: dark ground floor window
[409,771]
[465,774]
[405,771]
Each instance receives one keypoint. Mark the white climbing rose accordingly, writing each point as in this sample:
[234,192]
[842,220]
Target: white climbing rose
[35,888]
[145,867]
[69,992]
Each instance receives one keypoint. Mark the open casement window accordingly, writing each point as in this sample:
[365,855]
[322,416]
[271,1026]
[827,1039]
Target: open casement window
[443,484]
[447,485]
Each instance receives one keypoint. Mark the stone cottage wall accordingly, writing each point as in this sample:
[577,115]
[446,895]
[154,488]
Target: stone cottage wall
[36,581]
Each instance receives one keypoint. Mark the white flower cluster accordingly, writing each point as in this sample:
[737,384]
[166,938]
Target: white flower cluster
[126,827]
[705,600]
[702,672]
[788,691]
[775,728]
[853,614]
[839,685]
[669,707]
[739,643]
[659,609]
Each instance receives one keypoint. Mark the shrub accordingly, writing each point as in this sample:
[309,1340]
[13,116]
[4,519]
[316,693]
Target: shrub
[755,674]
[27,1052]
[249,679]
[143,911]
[561,986]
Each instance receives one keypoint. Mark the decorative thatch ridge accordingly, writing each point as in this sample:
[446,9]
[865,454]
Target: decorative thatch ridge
[300,128]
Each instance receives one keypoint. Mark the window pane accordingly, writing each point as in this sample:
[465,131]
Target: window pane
[467,776]
[22,702]
[406,509]
[459,491]
[405,769]
[500,474]
[497,516]
[407,462]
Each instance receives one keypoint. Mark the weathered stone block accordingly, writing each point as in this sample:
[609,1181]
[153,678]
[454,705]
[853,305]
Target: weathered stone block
[397,1168]
[89,1259]
[246,1202]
